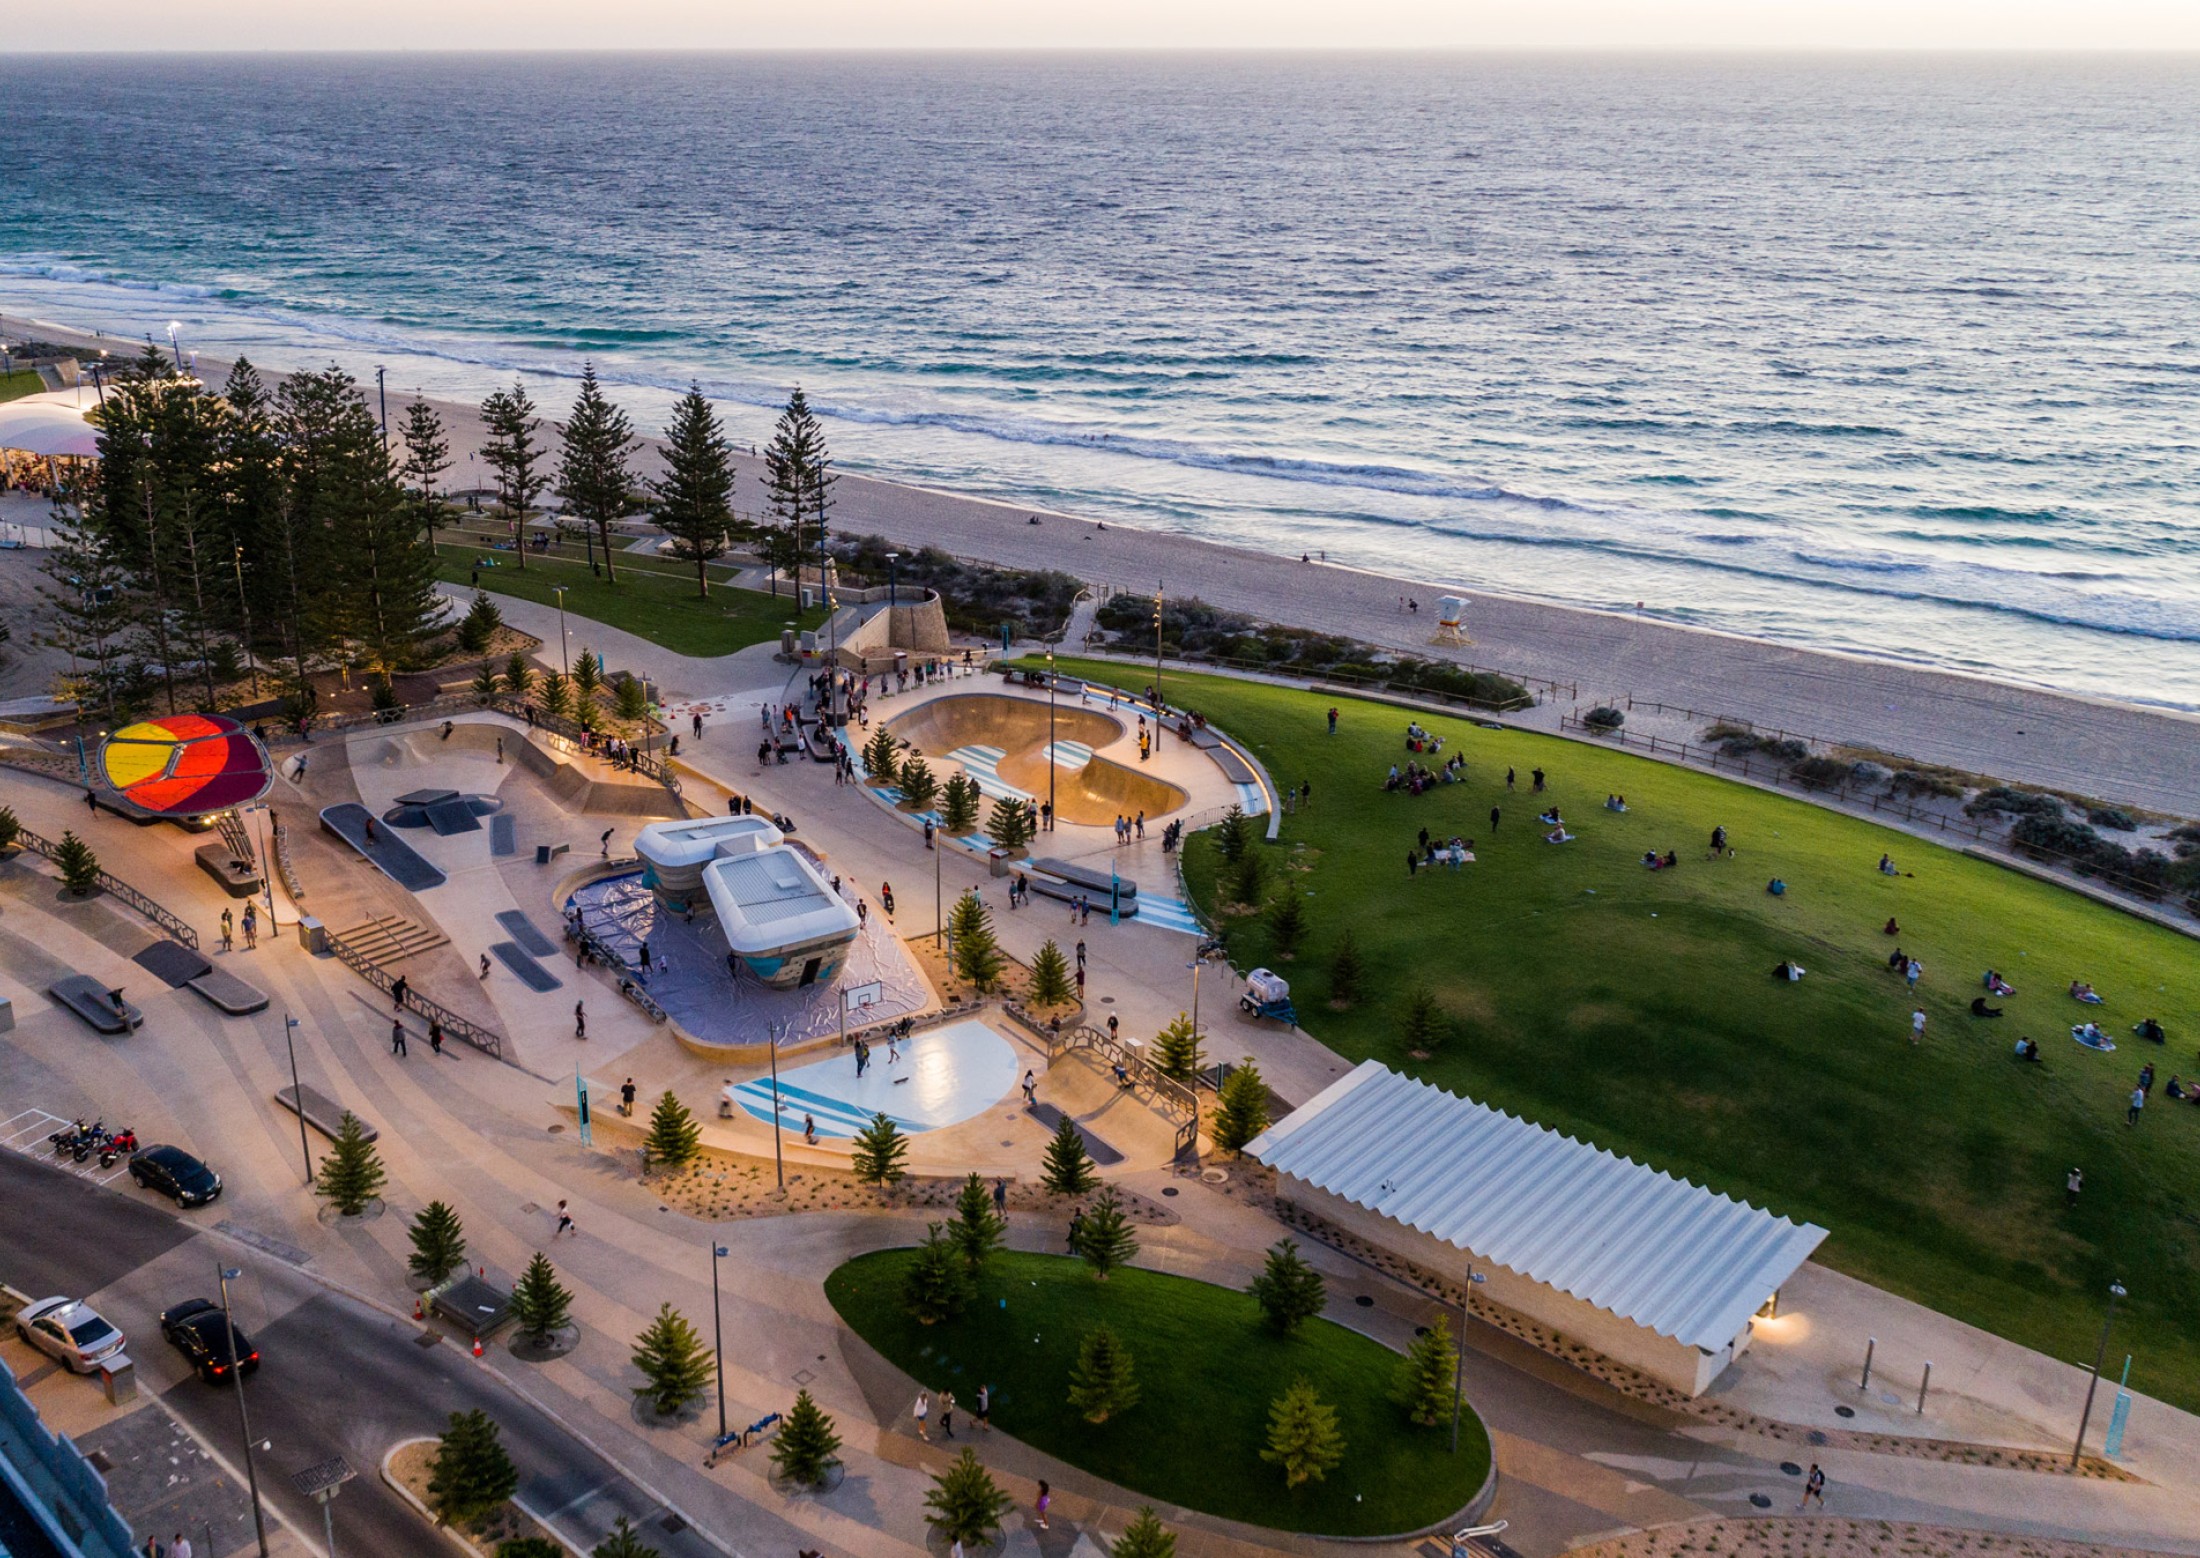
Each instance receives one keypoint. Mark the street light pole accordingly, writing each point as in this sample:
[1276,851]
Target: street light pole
[779,1159]
[244,1423]
[1459,1354]
[718,1334]
[297,1093]
[382,391]
[1050,738]
[2100,1355]
[267,864]
[564,655]
[939,914]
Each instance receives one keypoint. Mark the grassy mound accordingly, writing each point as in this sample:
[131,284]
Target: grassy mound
[1638,1009]
[1207,1370]
[649,600]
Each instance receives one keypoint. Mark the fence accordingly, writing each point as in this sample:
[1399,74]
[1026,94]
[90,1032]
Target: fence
[595,947]
[487,1040]
[115,887]
[1873,799]
[1167,1094]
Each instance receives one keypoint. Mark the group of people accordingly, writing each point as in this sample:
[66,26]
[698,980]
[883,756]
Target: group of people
[1413,779]
[1454,852]
[1127,827]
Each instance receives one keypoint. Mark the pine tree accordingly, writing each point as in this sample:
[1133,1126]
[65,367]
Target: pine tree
[1428,1375]
[674,1138]
[917,784]
[693,501]
[380,592]
[479,626]
[1232,834]
[89,614]
[877,1152]
[803,1448]
[937,1284]
[1345,970]
[587,674]
[1102,1382]
[1288,1290]
[351,1173]
[79,867]
[623,1543]
[965,1504]
[438,1241]
[519,676]
[595,471]
[470,1474]
[1104,1238]
[554,696]
[630,701]
[531,1547]
[1303,1437]
[675,1362]
[1422,1025]
[11,828]
[1241,1109]
[485,685]
[959,806]
[1251,875]
[516,455]
[799,476]
[1067,1169]
[1287,925]
[541,1304]
[1011,826]
[1176,1049]
[978,955]
[1050,977]
[427,457]
[881,760]
[1144,1537]
[977,1229]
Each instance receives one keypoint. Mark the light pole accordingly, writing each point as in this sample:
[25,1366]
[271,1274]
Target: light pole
[1459,1354]
[939,913]
[173,327]
[321,1483]
[267,864]
[1050,743]
[718,1334]
[236,558]
[382,393]
[779,1159]
[2100,1355]
[297,1093]
[564,654]
[1157,599]
[893,572]
[244,1424]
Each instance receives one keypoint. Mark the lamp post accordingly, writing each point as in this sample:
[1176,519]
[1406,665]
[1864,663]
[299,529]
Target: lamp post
[267,864]
[244,1423]
[1459,1354]
[173,327]
[236,558]
[893,574]
[779,1159]
[1050,746]
[305,1154]
[1199,958]
[939,913]
[564,654]
[1157,600]
[718,1334]
[382,393]
[2100,1355]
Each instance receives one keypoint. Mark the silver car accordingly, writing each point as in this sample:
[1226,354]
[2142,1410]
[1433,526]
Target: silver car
[70,1332]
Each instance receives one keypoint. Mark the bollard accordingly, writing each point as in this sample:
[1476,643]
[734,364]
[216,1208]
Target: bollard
[1871,1344]
[1924,1385]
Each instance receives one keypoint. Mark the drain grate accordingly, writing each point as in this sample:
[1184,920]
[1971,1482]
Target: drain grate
[1791,1468]
[672,1524]
[427,1339]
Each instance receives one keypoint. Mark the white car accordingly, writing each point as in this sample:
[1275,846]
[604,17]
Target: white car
[69,1332]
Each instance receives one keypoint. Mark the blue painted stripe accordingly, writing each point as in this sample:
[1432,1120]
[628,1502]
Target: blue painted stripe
[808,1101]
[1252,800]
[1167,913]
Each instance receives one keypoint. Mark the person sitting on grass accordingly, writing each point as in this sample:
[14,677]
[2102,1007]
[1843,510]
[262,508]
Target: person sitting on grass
[1558,835]
[1890,928]
[1551,818]
[2090,1035]
[1788,971]
[2027,1050]
[1777,888]
[1650,860]
[1887,867]
[1900,961]
[2147,1028]
[2081,991]
[1614,803]
[1672,859]
[2176,1089]
[1996,985]
[1718,842]
[1979,1008]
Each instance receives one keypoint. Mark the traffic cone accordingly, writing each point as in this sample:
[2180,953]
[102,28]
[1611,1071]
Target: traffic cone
[477,1346]
[420,1311]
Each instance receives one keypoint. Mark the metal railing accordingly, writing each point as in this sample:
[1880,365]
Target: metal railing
[1146,1080]
[487,1040]
[596,947]
[115,887]
[280,848]
[1376,679]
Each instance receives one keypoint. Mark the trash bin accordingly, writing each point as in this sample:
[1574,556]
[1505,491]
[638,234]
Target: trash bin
[118,1378]
[999,859]
[312,935]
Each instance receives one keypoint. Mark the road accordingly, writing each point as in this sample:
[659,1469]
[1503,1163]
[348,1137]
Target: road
[336,1377]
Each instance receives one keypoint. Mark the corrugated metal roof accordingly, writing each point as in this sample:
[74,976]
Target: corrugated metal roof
[1668,1255]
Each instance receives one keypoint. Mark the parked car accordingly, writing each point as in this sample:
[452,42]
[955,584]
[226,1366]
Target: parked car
[198,1330]
[176,1175]
[70,1332]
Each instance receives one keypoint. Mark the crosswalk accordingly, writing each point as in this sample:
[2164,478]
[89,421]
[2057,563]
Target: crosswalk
[26,1131]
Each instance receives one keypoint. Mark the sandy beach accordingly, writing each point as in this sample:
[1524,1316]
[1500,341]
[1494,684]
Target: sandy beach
[2125,753]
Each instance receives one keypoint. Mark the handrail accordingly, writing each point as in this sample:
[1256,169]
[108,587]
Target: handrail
[657,768]
[487,1040]
[596,947]
[1171,1095]
[280,848]
[116,887]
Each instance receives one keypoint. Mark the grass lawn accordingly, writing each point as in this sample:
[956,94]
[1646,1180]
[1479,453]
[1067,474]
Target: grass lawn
[661,607]
[1637,1009]
[1207,1369]
[14,385]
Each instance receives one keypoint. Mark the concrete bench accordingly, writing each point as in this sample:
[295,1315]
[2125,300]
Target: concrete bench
[321,1112]
[1083,879]
[91,1000]
[545,853]
[227,993]
[239,878]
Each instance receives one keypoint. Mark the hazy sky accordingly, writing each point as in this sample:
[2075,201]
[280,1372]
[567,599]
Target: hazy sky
[900,24]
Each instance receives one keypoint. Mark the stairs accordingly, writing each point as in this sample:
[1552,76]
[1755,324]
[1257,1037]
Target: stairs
[390,938]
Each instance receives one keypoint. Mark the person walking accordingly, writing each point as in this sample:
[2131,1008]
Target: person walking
[398,992]
[1413,862]
[1046,1497]
[435,1037]
[862,1055]
[1494,815]
[1814,1487]
[983,1415]
[1535,776]
[1911,971]
[2138,1102]
[1076,1229]
[1080,952]
[485,965]
[1000,1203]
[1031,1089]
[1080,984]
[626,1098]
[2073,1183]
[565,1223]
[2146,1079]
[580,1019]
[397,1038]
[1509,776]
[179,1546]
[922,1412]
[947,1414]
[1917,1026]
[229,931]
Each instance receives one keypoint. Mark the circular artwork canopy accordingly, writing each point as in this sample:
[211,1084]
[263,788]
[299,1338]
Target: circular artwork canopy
[186,765]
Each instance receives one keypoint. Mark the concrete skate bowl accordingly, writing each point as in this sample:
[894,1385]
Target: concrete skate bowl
[482,742]
[1001,743]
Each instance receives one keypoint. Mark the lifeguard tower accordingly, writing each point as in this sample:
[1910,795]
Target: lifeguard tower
[1451,621]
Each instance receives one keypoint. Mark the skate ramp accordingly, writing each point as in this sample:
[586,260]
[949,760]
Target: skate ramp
[1094,793]
[1088,789]
[1014,725]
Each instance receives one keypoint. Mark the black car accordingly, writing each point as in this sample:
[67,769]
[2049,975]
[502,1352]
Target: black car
[199,1331]
[176,1175]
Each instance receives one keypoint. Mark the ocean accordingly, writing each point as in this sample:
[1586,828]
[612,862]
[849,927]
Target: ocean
[1892,355]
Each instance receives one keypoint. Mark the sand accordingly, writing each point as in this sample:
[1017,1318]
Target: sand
[2125,753]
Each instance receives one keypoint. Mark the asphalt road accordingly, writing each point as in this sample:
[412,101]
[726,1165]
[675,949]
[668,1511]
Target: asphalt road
[336,1377]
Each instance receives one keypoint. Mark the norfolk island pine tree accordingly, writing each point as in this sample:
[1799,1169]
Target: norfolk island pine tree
[1303,1437]
[877,1153]
[693,500]
[977,1230]
[938,1282]
[965,1504]
[470,1473]
[540,1303]
[803,1448]
[1241,1110]
[1144,1537]
[1067,1169]
[1050,976]
[675,1362]
[1104,1238]
[674,1138]
[438,1241]
[351,1173]
[1103,1382]
[1288,1290]
[623,1543]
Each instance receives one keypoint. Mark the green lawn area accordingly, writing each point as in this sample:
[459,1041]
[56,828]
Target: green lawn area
[660,606]
[20,382]
[1207,1369]
[1637,1009]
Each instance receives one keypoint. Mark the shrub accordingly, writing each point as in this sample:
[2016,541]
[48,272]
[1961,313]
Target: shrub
[1787,750]
[530,1547]
[1288,1290]
[2002,800]
[1606,718]
[10,828]
[1822,773]
[1936,784]
[2112,817]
